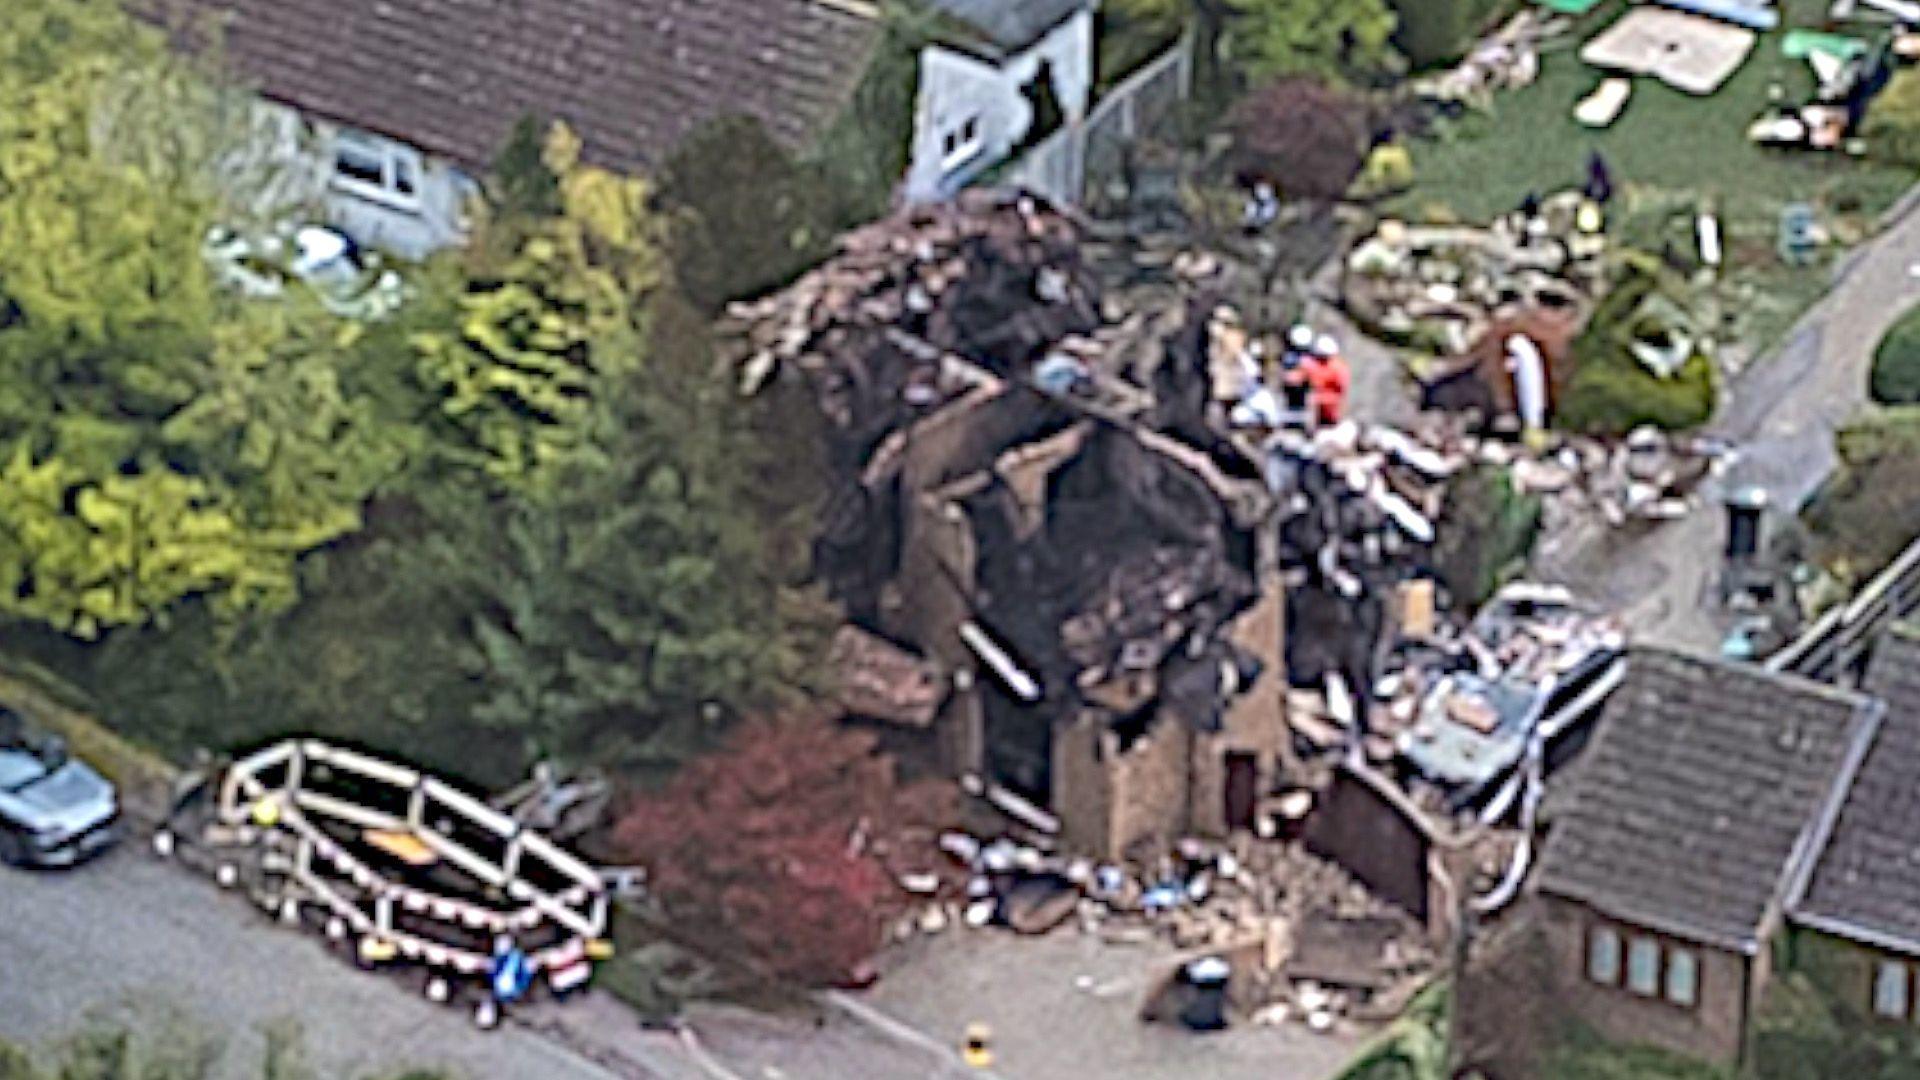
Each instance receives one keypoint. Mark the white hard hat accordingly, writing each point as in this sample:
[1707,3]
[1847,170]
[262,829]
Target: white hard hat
[1324,345]
[1300,337]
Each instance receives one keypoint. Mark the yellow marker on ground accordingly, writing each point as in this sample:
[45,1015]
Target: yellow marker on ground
[975,1051]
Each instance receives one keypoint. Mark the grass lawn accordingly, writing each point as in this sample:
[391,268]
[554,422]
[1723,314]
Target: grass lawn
[1668,151]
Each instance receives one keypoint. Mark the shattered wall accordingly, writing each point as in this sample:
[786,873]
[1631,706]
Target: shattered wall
[1083,785]
[1376,840]
[1255,722]
[1120,801]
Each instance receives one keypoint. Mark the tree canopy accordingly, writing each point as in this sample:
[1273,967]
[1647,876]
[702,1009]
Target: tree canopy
[165,441]
[1250,41]
[784,844]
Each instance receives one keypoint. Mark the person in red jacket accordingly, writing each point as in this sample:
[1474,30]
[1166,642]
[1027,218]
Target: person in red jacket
[1327,375]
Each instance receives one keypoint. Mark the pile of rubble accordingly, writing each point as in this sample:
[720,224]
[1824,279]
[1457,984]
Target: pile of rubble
[1507,59]
[1440,287]
[1459,706]
[1302,938]
[919,308]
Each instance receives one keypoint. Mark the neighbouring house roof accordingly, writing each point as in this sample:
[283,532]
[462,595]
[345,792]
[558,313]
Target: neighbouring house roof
[1701,795]
[1866,884]
[1004,27]
[632,77]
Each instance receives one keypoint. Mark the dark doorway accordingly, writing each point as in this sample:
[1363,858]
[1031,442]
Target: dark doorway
[1019,748]
[1243,789]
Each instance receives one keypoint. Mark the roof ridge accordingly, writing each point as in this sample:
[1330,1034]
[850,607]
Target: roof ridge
[864,9]
[1785,680]
[1812,844]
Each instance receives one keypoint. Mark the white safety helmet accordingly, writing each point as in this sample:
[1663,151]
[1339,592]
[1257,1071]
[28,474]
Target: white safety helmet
[1324,346]
[1300,338]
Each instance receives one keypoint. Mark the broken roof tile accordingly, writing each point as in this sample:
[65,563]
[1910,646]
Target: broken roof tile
[881,681]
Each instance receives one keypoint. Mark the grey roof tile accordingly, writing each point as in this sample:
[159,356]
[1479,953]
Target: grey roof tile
[1699,795]
[1867,880]
[1007,26]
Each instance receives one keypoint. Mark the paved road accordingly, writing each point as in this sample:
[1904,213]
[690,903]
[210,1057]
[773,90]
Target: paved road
[1781,413]
[129,930]
[129,935]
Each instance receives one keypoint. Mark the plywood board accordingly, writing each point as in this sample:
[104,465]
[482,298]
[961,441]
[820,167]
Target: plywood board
[1687,52]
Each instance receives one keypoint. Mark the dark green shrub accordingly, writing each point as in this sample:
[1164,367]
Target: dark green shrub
[1432,33]
[1487,529]
[1869,509]
[1611,394]
[1896,364]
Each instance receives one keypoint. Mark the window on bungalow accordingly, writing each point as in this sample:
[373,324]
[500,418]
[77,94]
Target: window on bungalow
[1683,977]
[359,161]
[403,176]
[1891,987]
[376,168]
[1603,955]
[1643,966]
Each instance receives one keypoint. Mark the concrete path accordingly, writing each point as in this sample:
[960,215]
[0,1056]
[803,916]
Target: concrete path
[1065,1006]
[1781,413]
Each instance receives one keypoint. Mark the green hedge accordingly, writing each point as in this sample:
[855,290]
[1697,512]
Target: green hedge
[1437,32]
[1896,364]
[1487,530]
[1413,1048]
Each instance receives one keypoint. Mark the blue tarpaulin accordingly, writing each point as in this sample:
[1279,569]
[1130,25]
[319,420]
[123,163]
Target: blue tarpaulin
[1754,14]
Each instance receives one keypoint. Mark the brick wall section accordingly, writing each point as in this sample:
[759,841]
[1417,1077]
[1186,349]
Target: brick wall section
[1151,789]
[1113,804]
[1083,787]
[925,607]
[1255,722]
[1712,1031]
[1842,970]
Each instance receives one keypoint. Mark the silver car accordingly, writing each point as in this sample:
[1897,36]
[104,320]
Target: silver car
[54,809]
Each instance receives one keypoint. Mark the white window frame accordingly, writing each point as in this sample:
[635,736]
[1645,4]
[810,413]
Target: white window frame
[961,143]
[1606,955]
[1682,990]
[1642,948]
[1892,979]
[395,162]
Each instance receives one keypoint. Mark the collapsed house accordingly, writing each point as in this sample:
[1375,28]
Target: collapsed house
[1032,500]
[1072,577]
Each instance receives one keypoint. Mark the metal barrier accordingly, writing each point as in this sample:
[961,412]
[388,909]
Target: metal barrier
[1093,150]
[1838,643]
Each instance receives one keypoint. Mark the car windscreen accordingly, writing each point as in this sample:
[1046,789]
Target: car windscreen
[18,769]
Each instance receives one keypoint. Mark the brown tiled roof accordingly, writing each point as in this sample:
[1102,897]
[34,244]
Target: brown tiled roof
[1867,881]
[633,77]
[1701,794]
